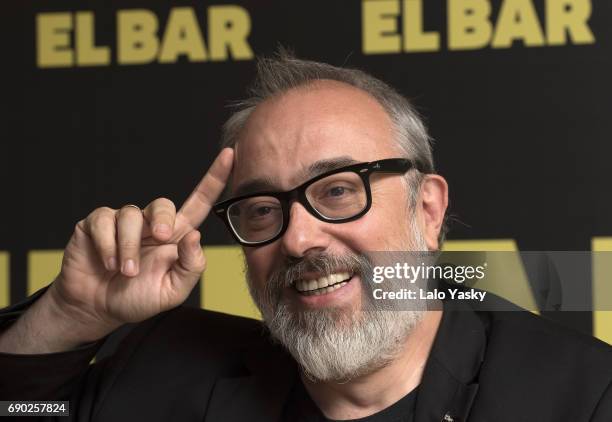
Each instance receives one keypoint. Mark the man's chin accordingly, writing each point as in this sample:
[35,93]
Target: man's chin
[338,344]
[316,321]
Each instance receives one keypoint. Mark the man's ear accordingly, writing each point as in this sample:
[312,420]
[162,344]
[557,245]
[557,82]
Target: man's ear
[431,208]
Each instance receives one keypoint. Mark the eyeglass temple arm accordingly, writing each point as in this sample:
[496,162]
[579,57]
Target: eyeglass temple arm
[394,165]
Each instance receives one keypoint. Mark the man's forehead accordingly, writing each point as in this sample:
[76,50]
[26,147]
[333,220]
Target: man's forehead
[304,132]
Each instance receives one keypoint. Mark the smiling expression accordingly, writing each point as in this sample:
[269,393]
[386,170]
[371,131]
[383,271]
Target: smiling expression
[289,139]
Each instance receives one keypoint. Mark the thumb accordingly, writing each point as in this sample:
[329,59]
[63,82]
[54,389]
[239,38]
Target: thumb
[191,262]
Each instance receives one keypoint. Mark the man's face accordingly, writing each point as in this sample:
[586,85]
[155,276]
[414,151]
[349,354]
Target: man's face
[316,124]
[286,141]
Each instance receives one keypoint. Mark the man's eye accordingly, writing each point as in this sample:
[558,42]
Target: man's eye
[262,211]
[337,191]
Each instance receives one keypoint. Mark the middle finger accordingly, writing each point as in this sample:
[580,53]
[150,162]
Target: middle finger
[160,215]
[129,232]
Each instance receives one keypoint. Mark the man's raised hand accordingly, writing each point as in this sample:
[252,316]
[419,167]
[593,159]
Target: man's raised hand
[126,265]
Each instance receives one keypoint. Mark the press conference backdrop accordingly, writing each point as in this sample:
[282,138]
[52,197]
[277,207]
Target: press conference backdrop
[109,103]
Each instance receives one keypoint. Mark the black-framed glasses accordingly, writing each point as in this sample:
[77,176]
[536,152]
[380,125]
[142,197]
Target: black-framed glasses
[336,196]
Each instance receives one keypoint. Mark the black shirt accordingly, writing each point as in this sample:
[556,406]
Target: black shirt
[301,408]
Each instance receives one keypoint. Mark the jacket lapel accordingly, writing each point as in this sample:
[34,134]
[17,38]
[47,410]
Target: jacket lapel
[450,379]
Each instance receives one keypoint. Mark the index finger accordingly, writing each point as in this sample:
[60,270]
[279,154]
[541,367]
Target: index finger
[198,205]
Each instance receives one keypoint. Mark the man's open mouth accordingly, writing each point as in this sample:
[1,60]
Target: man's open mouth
[322,285]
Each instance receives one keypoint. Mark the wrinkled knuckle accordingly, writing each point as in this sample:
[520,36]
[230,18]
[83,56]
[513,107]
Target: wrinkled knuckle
[131,212]
[102,235]
[129,244]
[163,216]
[107,250]
[102,220]
[80,226]
[165,202]
[201,267]
[100,212]
[200,264]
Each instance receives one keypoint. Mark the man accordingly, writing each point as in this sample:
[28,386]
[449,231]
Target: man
[322,165]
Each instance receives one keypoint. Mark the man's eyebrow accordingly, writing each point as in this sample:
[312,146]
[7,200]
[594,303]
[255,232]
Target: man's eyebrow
[316,168]
[255,185]
[329,164]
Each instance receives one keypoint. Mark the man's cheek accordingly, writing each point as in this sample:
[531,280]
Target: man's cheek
[361,235]
[260,264]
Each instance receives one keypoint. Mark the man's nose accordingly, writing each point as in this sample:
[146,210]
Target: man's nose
[304,234]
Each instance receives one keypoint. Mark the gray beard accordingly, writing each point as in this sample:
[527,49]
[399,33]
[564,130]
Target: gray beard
[336,344]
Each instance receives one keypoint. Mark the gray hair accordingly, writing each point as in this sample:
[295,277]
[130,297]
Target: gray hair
[279,74]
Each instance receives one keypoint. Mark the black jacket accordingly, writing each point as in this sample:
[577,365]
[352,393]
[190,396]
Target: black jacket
[191,364]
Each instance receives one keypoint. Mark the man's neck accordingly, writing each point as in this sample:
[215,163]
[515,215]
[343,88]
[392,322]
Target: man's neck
[378,390]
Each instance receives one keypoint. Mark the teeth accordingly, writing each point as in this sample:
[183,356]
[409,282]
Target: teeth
[334,278]
[324,284]
[324,281]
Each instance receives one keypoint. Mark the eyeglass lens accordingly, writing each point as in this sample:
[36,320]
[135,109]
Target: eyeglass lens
[335,197]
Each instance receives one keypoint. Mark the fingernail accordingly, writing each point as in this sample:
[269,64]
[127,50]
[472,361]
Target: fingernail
[111,263]
[129,267]
[161,229]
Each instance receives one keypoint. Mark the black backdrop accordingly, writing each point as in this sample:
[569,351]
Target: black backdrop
[522,133]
